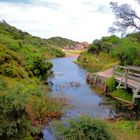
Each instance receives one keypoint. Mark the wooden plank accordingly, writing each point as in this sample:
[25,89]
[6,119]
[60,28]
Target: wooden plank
[116,66]
[131,83]
[118,73]
[128,67]
[134,78]
[122,100]
[134,68]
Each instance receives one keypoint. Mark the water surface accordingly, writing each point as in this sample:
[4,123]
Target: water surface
[70,80]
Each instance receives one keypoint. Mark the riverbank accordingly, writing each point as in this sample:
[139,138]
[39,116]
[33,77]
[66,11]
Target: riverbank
[72,53]
[96,63]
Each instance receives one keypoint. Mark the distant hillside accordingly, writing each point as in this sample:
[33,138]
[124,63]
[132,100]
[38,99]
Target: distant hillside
[66,43]
[60,42]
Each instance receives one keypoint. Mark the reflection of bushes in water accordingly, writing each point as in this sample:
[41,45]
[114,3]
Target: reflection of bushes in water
[72,84]
[122,110]
[83,128]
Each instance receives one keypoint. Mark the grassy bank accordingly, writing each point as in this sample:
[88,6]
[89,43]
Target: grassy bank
[90,128]
[75,53]
[94,62]
[123,94]
[125,129]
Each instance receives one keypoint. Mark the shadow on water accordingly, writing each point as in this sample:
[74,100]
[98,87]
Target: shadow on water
[69,79]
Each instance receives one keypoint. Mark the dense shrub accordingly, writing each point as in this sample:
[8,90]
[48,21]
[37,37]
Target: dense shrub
[11,63]
[83,128]
[23,107]
[13,70]
[9,42]
[126,52]
[137,62]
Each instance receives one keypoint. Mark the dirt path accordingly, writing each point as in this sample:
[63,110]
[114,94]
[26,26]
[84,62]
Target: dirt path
[106,74]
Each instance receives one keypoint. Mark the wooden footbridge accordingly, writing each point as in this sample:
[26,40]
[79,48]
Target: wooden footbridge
[126,76]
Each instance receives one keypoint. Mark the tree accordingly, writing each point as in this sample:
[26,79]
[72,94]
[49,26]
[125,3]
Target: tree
[126,18]
[95,47]
[98,45]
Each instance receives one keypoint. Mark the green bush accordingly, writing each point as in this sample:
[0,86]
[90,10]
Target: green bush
[137,61]
[111,83]
[9,42]
[22,104]
[126,52]
[83,128]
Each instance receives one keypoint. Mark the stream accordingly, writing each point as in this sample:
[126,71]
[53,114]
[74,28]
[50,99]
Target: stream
[70,81]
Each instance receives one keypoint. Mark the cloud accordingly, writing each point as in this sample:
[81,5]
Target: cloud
[81,20]
[16,1]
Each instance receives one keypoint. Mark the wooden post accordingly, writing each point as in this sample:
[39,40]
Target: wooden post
[113,69]
[126,77]
[135,93]
[95,80]
[121,81]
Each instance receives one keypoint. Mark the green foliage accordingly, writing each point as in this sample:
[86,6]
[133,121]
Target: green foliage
[95,47]
[137,61]
[24,104]
[126,50]
[122,93]
[112,39]
[83,128]
[104,45]
[60,42]
[135,37]
[9,42]
[94,63]
[11,64]
[125,129]
[111,83]
[92,48]
[35,63]
[13,70]
[15,39]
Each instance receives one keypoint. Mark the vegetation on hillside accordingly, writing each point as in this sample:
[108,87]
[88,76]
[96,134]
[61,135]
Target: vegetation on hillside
[25,106]
[123,51]
[60,42]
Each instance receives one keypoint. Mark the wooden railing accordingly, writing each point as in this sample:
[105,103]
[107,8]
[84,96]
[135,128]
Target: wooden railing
[128,72]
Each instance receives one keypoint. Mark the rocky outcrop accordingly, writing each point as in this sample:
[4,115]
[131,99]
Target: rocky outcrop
[77,46]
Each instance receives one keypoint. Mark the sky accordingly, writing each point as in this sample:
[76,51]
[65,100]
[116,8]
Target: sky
[79,20]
